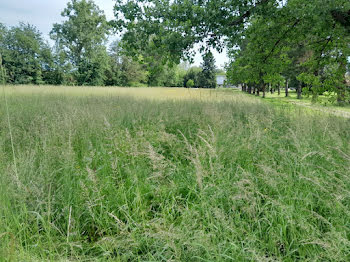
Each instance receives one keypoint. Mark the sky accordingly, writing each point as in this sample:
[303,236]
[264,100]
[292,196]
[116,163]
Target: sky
[44,13]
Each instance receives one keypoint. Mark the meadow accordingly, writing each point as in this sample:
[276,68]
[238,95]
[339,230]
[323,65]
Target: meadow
[325,103]
[165,174]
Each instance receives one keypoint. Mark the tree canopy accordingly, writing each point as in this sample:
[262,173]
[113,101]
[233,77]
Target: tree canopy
[270,43]
[81,38]
[26,58]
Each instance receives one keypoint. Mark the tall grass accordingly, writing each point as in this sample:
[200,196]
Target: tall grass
[130,177]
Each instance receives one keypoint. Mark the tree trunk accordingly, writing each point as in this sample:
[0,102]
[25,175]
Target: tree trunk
[2,73]
[254,90]
[313,90]
[341,89]
[299,91]
[249,89]
[264,91]
[279,89]
[340,95]
[258,91]
[287,83]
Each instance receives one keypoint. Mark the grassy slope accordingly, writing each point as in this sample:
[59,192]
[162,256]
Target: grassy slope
[210,176]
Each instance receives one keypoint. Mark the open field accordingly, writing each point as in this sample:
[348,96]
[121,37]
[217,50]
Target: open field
[150,174]
[159,94]
[323,104]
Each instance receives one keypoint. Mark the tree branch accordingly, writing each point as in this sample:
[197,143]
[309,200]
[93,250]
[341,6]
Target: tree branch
[281,38]
[342,17]
[247,14]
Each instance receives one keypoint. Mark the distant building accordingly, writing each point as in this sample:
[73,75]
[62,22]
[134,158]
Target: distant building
[220,80]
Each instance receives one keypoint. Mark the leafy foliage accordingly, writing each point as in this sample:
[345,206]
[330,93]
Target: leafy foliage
[26,57]
[195,74]
[81,38]
[208,71]
[300,42]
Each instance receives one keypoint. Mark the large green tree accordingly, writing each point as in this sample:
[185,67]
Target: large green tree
[81,37]
[175,26]
[301,42]
[26,57]
[270,29]
[208,71]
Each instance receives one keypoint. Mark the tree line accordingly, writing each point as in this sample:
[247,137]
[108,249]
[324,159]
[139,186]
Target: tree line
[300,44]
[272,44]
[82,55]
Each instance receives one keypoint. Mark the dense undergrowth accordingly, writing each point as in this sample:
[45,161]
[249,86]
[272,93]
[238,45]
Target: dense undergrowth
[125,179]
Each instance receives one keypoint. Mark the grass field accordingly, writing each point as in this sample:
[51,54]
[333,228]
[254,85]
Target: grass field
[324,103]
[118,174]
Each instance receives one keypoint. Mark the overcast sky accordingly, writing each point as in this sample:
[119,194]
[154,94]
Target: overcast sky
[44,13]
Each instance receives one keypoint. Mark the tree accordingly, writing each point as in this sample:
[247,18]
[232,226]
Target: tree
[123,70]
[2,69]
[81,38]
[2,72]
[301,42]
[189,83]
[181,71]
[133,73]
[195,74]
[177,25]
[25,55]
[114,70]
[269,29]
[208,71]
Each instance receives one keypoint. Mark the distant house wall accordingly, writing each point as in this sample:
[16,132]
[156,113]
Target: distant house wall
[220,80]
[347,78]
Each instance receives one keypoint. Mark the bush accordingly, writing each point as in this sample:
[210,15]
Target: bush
[189,83]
